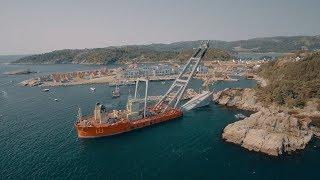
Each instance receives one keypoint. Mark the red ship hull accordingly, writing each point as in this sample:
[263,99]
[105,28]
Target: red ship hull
[124,125]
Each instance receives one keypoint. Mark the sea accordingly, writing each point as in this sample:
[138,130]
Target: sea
[38,139]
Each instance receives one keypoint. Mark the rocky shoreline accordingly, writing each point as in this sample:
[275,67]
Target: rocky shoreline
[273,130]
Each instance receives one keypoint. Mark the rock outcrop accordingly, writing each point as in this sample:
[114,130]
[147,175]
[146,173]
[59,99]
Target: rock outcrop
[237,97]
[271,130]
[31,82]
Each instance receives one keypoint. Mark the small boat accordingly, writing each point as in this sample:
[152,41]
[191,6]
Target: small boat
[55,99]
[123,83]
[92,88]
[45,90]
[240,116]
[116,92]
[4,93]
[163,82]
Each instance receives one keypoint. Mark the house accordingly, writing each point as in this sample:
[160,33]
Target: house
[163,70]
[146,70]
[202,69]
[131,73]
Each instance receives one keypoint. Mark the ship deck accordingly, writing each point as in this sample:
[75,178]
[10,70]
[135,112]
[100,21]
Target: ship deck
[88,121]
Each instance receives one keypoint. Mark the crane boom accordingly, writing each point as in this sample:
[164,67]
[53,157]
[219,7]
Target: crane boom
[178,87]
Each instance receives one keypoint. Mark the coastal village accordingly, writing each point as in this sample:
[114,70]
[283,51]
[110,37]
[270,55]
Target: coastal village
[208,72]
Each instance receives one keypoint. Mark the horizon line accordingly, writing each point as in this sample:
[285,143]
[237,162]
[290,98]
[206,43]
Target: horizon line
[164,43]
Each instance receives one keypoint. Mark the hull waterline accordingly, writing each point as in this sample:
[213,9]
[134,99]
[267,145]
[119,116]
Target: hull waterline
[104,130]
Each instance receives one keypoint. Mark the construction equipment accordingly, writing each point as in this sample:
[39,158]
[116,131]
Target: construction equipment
[181,82]
[137,115]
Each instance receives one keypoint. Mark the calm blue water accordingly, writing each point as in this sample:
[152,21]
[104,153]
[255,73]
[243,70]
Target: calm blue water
[37,139]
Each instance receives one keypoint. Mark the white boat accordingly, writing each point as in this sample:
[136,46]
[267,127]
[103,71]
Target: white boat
[92,88]
[200,100]
[240,116]
[55,99]
[45,90]
[122,83]
[4,93]
[116,92]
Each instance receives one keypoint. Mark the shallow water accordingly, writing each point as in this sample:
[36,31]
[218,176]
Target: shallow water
[37,138]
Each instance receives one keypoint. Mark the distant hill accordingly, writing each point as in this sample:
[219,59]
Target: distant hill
[117,54]
[156,52]
[279,44]
[10,58]
[96,56]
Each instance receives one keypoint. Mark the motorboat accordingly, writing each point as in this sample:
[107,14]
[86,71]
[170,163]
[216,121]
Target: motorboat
[240,116]
[116,92]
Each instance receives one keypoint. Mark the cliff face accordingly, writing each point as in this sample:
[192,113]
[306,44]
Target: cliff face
[271,130]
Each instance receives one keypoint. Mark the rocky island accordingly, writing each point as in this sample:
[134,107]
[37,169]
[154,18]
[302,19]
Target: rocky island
[272,130]
[286,117]
[18,72]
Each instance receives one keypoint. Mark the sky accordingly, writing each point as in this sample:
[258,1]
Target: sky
[38,26]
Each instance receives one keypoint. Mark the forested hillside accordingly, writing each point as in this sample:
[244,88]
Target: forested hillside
[291,83]
[117,54]
[157,52]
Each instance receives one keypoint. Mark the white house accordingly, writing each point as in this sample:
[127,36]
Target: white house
[163,70]
[202,69]
[131,73]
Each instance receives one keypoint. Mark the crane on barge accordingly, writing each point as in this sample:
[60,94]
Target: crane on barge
[178,87]
[137,115]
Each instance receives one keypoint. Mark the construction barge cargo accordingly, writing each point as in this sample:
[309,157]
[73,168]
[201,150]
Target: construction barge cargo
[112,124]
[137,114]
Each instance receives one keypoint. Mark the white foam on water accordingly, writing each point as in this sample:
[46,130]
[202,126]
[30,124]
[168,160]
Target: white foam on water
[4,94]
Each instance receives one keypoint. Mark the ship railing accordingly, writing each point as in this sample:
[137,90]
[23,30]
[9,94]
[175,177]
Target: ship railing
[84,118]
